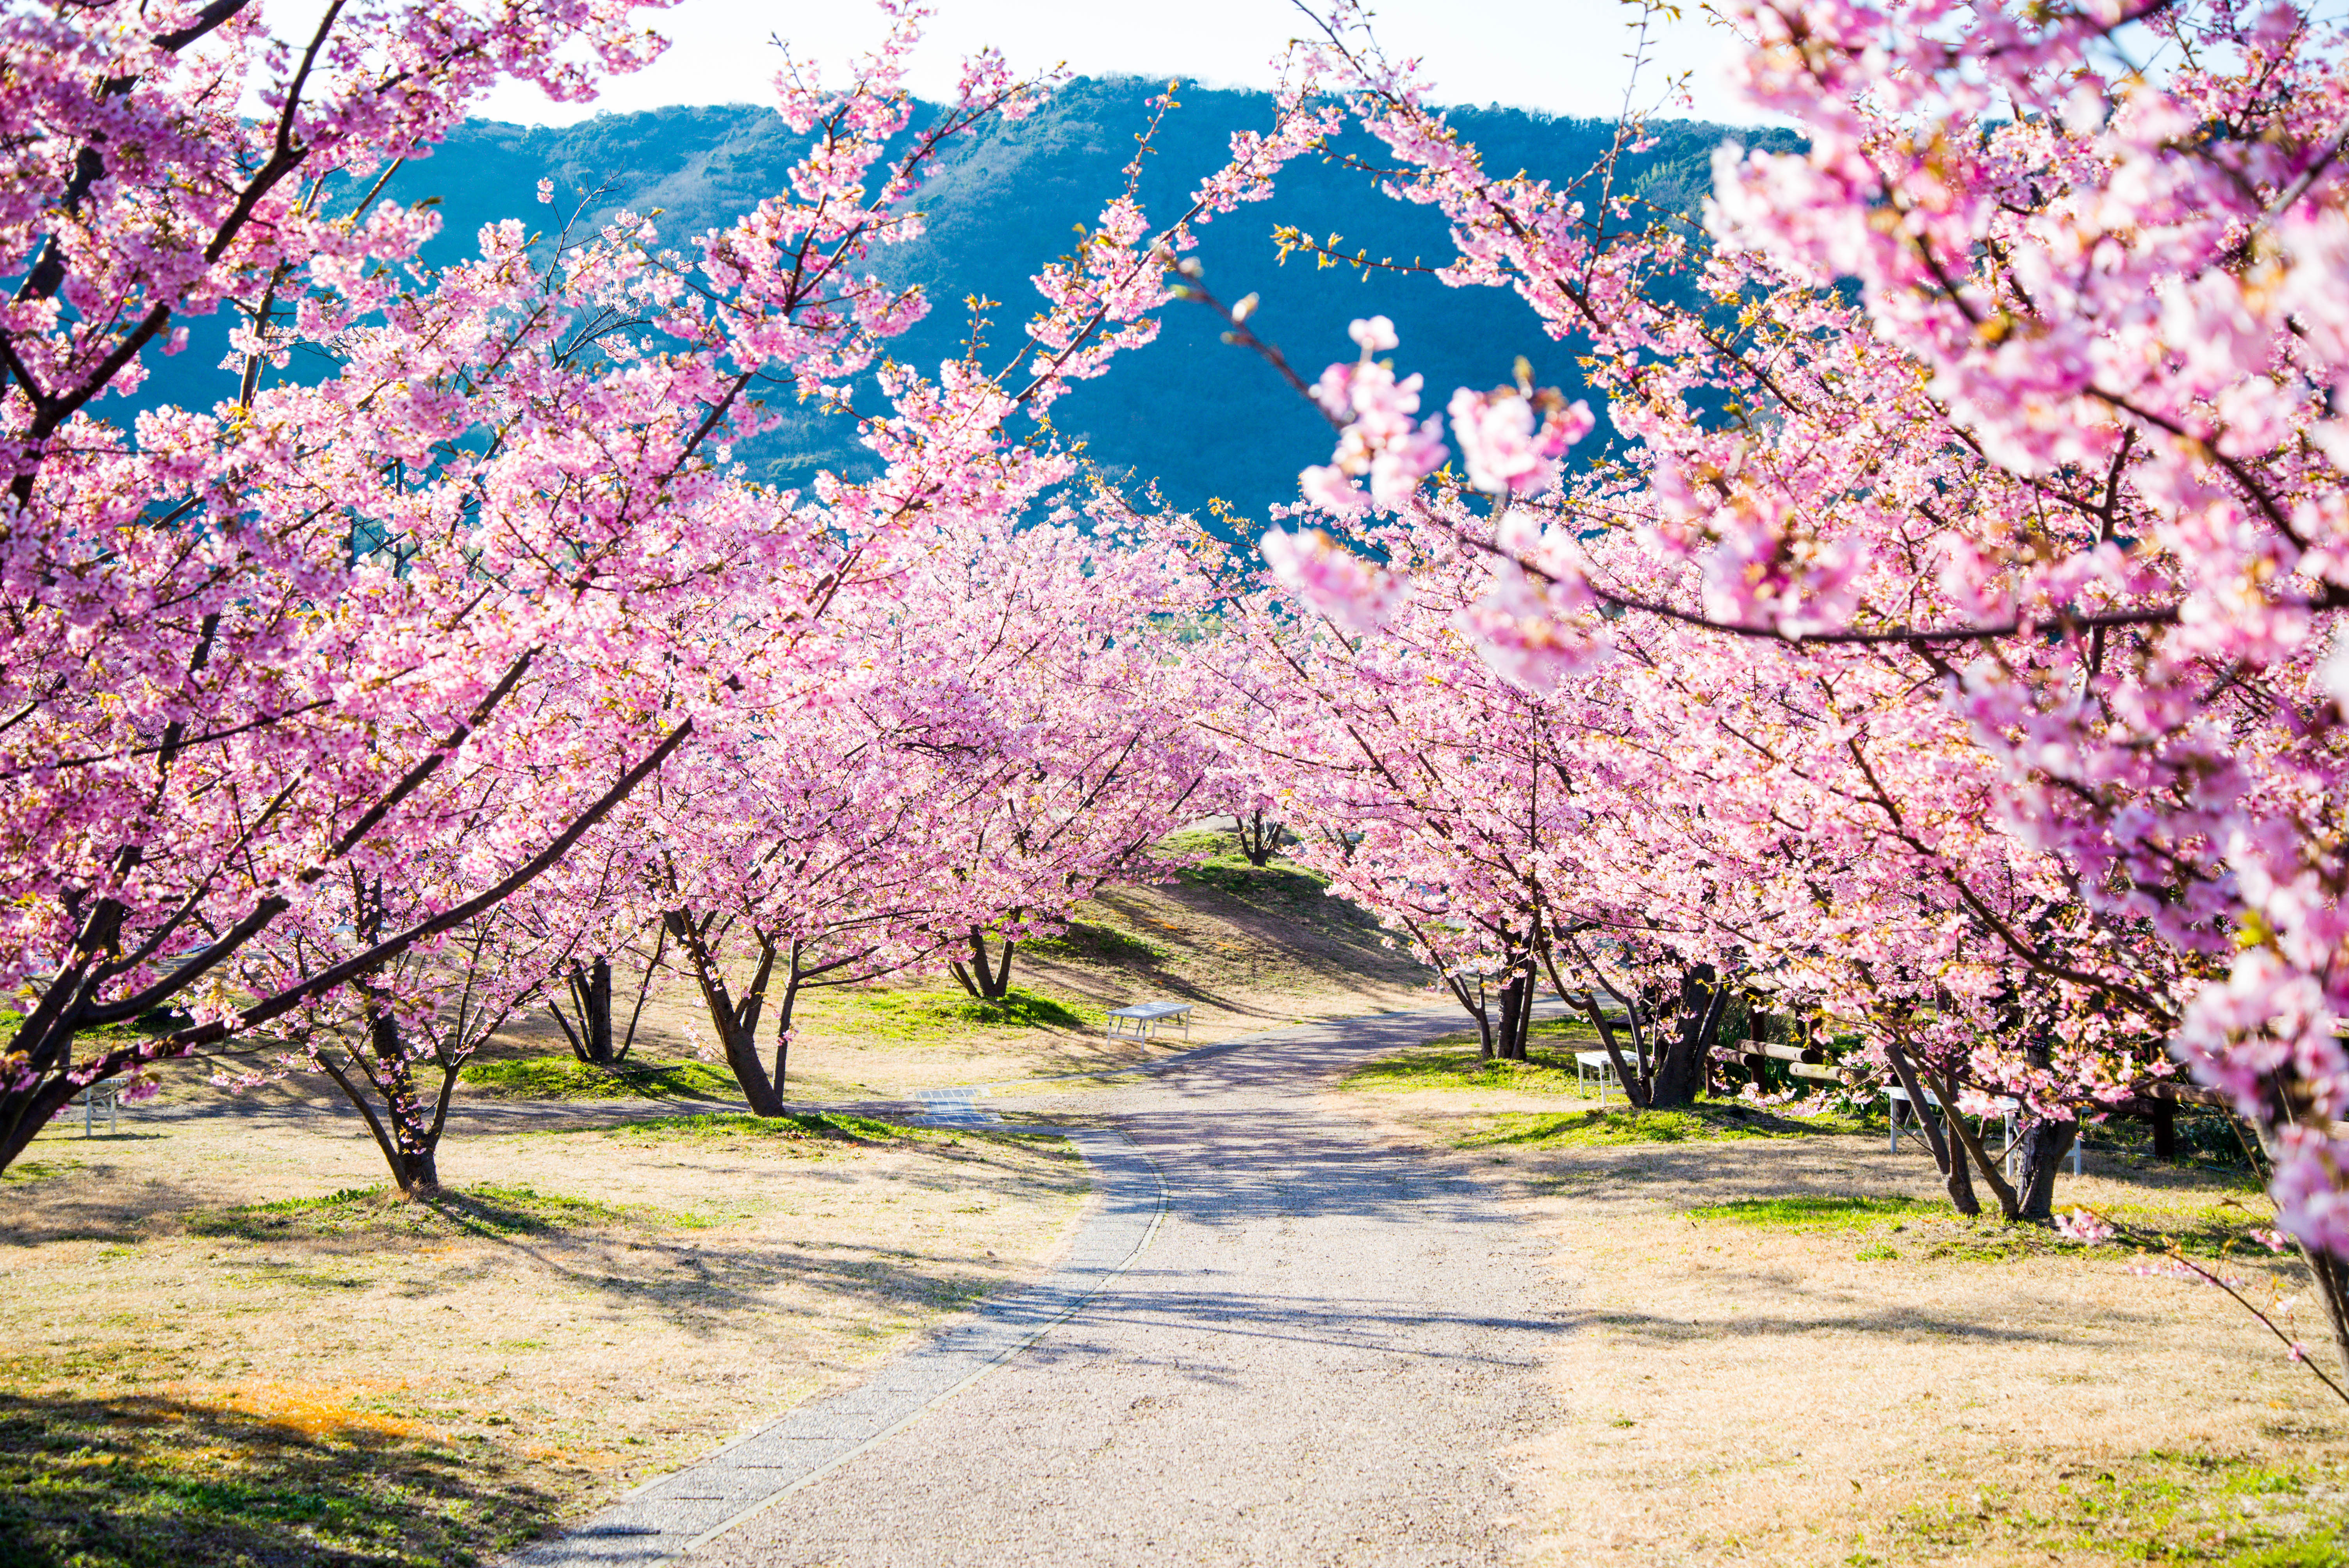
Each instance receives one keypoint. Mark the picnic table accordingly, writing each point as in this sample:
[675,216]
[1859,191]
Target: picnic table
[2003,1106]
[1142,1021]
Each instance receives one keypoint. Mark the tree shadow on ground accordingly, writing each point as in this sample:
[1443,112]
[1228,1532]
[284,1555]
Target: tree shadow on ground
[95,1482]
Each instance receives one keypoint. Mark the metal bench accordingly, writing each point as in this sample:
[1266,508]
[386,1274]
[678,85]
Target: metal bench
[1897,1097]
[1142,1021]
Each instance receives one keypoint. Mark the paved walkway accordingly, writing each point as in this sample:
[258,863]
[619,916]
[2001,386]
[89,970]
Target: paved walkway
[1321,1352]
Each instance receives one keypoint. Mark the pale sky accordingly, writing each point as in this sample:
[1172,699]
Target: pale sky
[1568,57]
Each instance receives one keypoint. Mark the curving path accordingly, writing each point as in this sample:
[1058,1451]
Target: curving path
[1274,1341]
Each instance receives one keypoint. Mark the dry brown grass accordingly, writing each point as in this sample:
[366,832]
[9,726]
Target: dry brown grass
[587,1308]
[1851,1392]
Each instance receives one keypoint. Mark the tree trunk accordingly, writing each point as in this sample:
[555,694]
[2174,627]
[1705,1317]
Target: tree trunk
[2332,1286]
[409,1144]
[1258,839]
[2040,1144]
[1513,1010]
[987,979]
[2330,1275]
[1475,1007]
[24,1112]
[1986,1164]
[1957,1178]
[1630,1071]
[1681,1072]
[644,989]
[737,1022]
[590,998]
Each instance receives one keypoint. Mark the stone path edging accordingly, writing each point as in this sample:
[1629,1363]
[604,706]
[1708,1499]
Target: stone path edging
[679,1511]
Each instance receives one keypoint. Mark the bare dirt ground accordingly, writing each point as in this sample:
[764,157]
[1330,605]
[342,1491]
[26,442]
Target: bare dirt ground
[1765,1374]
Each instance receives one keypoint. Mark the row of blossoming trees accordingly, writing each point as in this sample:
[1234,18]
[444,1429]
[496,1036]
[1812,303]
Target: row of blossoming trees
[345,714]
[1941,645]
[1948,644]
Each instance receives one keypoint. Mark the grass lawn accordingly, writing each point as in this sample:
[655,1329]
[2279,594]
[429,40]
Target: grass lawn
[226,1343]
[568,1078]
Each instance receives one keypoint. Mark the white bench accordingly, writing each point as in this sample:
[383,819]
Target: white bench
[91,1100]
[1142,1021]
[1899,1097]
[1589,1062]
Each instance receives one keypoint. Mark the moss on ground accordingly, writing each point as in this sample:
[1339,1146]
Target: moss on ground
[568,1078]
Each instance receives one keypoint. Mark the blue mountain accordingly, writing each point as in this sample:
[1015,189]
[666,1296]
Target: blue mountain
[1201,417]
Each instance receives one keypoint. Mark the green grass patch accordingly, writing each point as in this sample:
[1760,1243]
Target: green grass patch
[1452,1062]
[1812,1212]
[1931,1231]
[739,1127]
[1617,1126]
[568,1078]
[140,1482]
[1277,883]
[914,1015]
[2216,1231]
[1218,863]
[2161,1506]
[32,1171]
[1098,943]
[483,1208]
[812,1133]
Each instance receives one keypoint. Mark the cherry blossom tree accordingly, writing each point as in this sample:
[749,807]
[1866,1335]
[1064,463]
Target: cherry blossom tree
[2111,580]
[2052,498]
[244,641]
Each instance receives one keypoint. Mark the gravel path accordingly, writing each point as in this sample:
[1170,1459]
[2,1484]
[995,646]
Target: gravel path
[1322,1355]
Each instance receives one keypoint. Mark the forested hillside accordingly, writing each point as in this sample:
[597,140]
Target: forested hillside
[1204,418]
